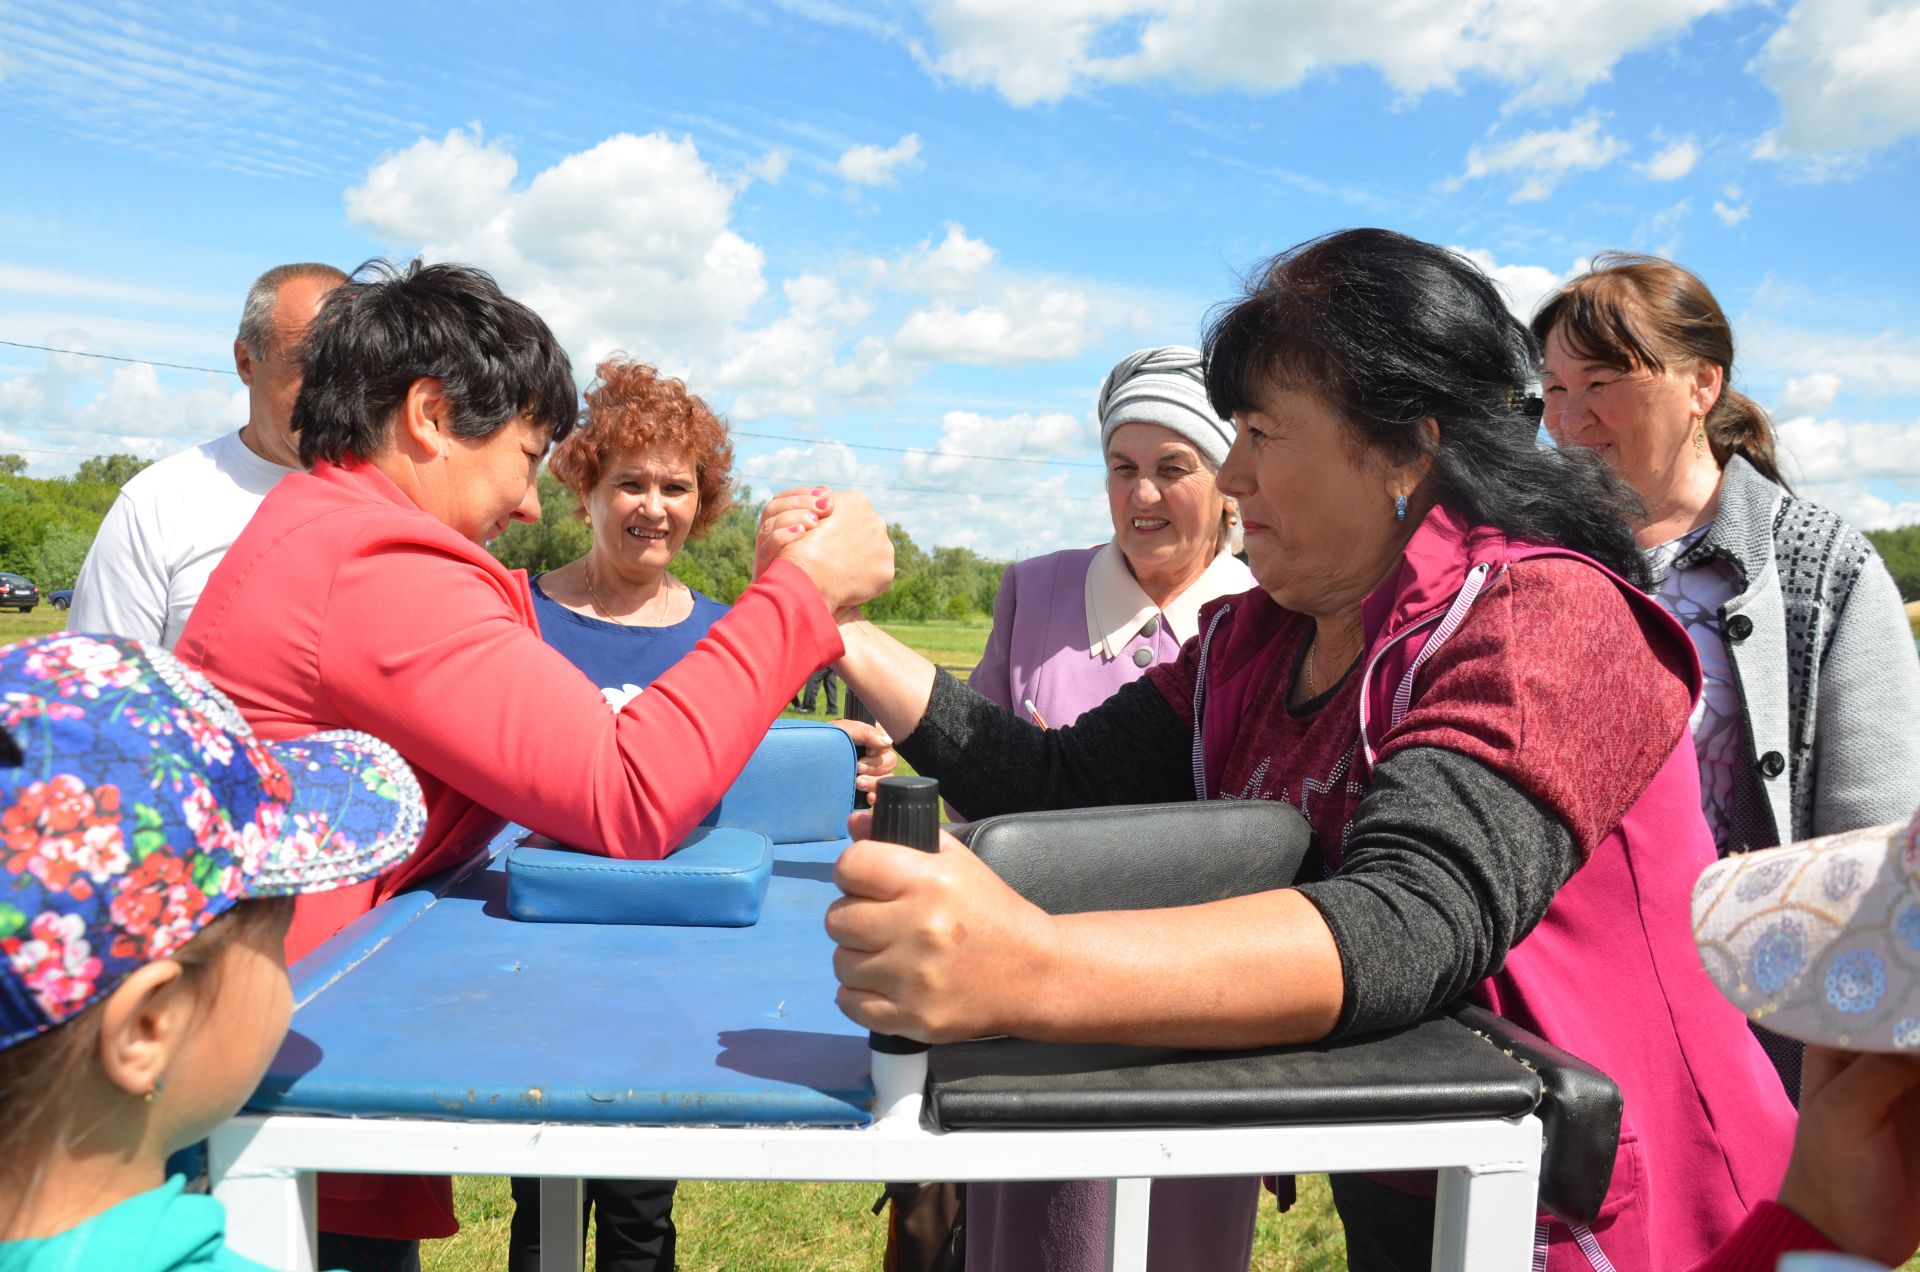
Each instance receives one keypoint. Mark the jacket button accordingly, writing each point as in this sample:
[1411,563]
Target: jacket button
[1151,626]
[1142,657]
[1772,764]
[1739,627]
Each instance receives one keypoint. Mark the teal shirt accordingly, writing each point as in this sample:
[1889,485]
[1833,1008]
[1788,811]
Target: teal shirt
[156,1231]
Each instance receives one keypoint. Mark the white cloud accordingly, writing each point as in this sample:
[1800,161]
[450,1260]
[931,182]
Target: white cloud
[1810,394]
[1831,450]
[874,165]
[1541,160]
[1847,73]
[770,167]
[1674,161]
[954,265]
[1876,365]
[781,368]
[1525,285]
[627,245]
[944,496]
[1051,435]
[1041,52]
[70,407]
[1029,322]
[1732,207]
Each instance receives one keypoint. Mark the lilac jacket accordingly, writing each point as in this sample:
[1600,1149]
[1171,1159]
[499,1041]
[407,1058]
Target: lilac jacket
[1039,649]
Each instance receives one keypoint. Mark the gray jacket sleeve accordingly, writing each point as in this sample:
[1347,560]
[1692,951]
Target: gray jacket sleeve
[1448,865]
[1866,746]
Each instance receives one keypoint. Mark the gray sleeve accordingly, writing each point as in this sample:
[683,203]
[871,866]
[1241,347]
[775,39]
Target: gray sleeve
[1448,865]
[1131,749]
[1866,744]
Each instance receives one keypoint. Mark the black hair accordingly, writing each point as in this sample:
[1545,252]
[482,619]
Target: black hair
[375,335]
[1392,331]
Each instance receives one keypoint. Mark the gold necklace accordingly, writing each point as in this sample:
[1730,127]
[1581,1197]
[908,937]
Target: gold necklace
[1312,646]
[594,592]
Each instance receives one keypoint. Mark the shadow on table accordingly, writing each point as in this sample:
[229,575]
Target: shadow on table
[833,1064]
[818,871]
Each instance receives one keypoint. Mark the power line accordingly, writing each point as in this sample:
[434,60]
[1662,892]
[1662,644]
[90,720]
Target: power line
[109,357]
[931,490]
[913,450]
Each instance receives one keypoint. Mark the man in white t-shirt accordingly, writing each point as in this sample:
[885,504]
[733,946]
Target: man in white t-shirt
[174,521]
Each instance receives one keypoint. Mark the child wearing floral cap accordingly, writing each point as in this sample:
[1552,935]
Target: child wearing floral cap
[1820,941]
[150,851]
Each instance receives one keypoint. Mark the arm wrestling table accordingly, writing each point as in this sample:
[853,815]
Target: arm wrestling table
[437,1035]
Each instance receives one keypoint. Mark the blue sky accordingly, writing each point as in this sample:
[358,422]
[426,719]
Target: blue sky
[936,226]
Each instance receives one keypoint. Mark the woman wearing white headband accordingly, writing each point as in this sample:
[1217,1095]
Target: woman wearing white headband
[1071,627]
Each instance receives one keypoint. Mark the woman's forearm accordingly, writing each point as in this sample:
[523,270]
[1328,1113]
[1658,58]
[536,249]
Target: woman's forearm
[1251,971]
[891,679]
[938,947]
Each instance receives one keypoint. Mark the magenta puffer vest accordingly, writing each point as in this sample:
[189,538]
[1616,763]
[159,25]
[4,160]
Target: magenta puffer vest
[1610,972]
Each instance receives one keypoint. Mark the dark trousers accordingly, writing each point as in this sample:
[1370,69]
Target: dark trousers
[1387,1230]
[368,1254]
[633,1221]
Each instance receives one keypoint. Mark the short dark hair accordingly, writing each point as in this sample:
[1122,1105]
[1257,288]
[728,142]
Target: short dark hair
[1392,331]
[389,326]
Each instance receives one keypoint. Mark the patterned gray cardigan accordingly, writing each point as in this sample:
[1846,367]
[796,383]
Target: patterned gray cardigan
[1825,663]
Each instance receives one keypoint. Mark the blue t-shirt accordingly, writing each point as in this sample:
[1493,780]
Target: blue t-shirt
[621,660]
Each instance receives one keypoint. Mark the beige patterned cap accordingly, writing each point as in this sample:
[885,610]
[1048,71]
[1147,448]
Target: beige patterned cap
[1820,940]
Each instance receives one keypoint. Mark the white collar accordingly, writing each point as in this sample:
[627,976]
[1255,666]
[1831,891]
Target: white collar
[1117,608]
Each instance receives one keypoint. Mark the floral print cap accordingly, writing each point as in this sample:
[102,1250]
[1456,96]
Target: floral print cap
[136,806]
[1820,940]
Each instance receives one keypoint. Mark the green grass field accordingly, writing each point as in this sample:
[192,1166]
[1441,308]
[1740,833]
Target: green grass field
[827,1228]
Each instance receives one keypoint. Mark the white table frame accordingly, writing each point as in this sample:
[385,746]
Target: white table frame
[262,1168]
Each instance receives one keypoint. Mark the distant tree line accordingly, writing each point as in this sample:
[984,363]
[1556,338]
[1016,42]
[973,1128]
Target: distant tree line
[947,583]
[48,523]
[1900,549]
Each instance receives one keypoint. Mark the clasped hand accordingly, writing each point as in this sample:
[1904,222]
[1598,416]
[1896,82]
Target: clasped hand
[836,537]
[934,946]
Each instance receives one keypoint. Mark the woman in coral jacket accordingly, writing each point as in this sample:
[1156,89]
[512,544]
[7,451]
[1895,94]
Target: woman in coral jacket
[361,596]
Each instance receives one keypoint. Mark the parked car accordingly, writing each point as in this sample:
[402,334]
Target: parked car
[18,592]
[61,598]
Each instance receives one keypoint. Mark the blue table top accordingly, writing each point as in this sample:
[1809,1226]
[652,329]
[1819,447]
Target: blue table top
[438,1005]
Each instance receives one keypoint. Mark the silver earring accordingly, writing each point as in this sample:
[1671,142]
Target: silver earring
[1399,507]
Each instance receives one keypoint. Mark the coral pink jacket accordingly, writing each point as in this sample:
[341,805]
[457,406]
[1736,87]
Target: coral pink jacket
[343,606]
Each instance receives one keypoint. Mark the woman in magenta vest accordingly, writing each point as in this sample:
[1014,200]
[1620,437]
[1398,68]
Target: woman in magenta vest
[1450,669]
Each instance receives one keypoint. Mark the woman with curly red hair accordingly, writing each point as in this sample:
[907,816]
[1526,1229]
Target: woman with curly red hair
[650,467]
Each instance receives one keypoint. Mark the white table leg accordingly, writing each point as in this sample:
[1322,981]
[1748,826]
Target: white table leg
[562,1225]
[270,1218]
[1127,1213]
[1483,1217]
